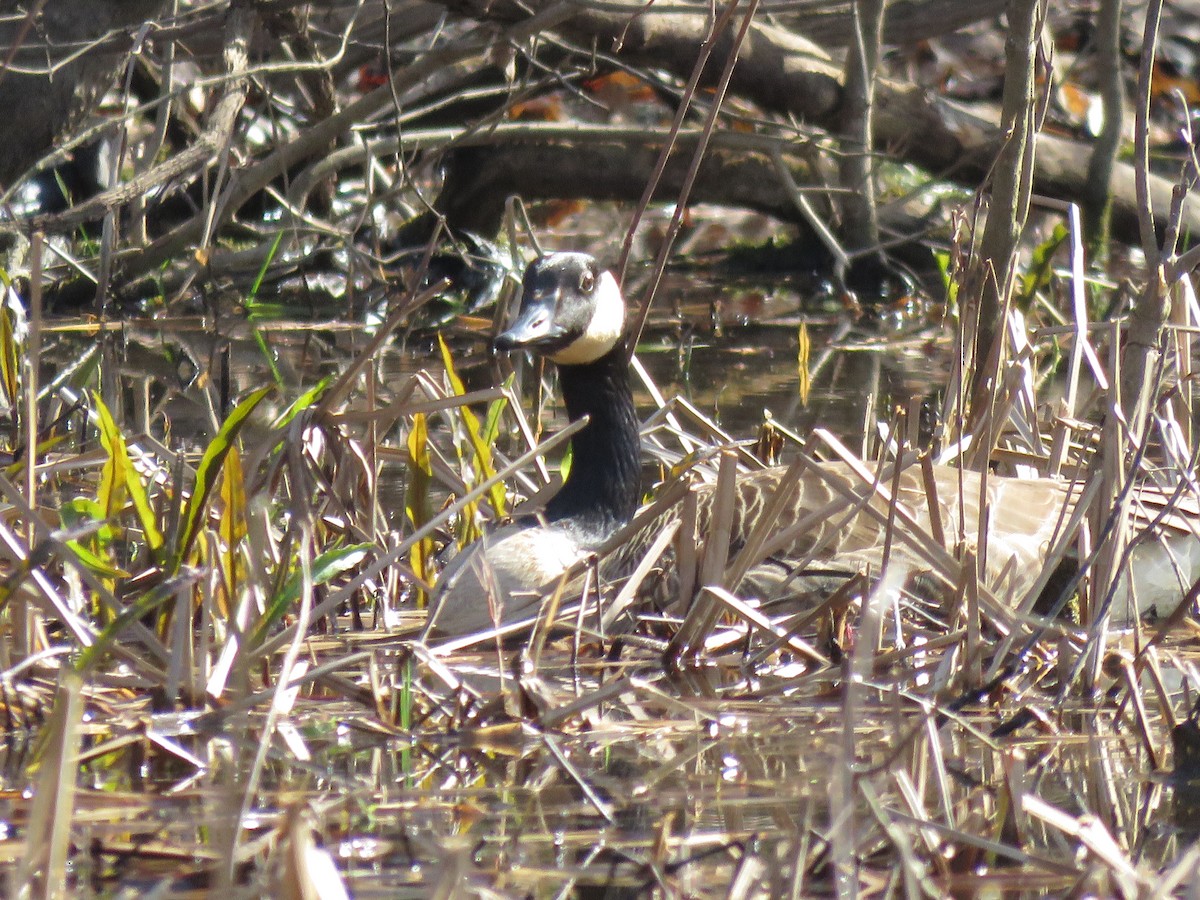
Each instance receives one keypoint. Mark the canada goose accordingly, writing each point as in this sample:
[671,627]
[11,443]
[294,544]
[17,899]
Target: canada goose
[573,313]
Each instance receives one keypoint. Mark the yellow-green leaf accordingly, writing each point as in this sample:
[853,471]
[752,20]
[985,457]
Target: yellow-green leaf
[207,472]
[233,500]
[110,492]
[126,478]
[420,478]
[97,564]
[232,529]
[802,364]
[483,450]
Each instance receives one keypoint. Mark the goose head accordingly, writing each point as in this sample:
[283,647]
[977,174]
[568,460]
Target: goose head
[571,311]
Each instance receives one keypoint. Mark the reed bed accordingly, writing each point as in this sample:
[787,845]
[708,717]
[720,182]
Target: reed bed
[224,642]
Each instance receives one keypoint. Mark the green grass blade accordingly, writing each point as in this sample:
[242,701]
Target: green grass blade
[146,604]
[98,565]
[325,568]
[10,358]
[483,450]
[301,403]
[258,311]
[207,473]
[1041,266]
[125,477]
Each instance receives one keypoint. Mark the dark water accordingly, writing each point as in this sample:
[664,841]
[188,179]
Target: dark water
[730,351]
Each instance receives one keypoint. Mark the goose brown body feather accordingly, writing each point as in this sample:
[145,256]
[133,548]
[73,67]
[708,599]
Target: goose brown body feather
[834,515]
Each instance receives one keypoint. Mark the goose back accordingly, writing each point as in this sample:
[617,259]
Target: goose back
[836,517]
[833,515]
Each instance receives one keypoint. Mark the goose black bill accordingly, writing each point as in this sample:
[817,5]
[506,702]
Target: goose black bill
[536,326]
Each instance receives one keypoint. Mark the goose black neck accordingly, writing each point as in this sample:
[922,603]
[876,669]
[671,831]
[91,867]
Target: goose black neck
[602,489]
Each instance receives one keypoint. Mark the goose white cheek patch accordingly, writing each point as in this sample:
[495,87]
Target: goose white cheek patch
[603,331]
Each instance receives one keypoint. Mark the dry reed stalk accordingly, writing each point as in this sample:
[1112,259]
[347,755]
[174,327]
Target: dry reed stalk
[599,804]
[20,611]
[1016,784]
[627,596]
[1180,873]
[1139,708]
[911,534]
[42,870]
[844,826]
[837,602]
[711,437]
[403,405]
[702,614]
[1008,398]
[558,716]
[889,527]
[767,522]
[305,869]
[302,676]
[1147,665]
[936,528]
[1092,834]
[973,648]
[337,392]
[527,433]
[756,620]
[1184,394]
[688,559]
[906,658]
[548,616]
[913,871]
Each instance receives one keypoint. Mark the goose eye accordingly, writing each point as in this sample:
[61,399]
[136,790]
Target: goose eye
[587,281]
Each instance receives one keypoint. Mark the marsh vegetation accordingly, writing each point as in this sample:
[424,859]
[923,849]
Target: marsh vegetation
[255,257]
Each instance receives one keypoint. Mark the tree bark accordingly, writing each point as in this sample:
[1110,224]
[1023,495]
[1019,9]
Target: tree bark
[860,223]
[46,84]
[785,73]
